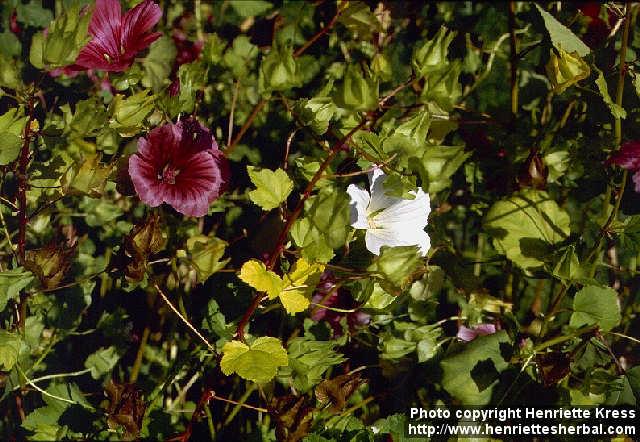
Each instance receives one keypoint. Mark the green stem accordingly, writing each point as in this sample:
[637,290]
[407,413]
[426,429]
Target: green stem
[513,61]
[135,370]
[560,339]
[622,71]
[239,404]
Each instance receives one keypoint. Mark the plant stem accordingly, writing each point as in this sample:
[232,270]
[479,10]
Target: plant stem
[595,251]
[513,61]
[183,319]
[23,164]
[135,370]
[291,219]
[321,32]
[622,71]
[258,107]
[22,185]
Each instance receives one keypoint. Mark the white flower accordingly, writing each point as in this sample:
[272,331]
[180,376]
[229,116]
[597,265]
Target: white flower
[389,221]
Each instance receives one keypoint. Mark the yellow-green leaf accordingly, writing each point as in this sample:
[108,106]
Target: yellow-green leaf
[299,285]
[255,274]
[273,187]
[257,362]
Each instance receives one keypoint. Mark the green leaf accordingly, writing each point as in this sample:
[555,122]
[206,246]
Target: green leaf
[158,64]
[395,348]
[443,87]
[102,361]
[633,377]
[325,226]
[561,36]
[10,44]
[88,178]
[192,78]
[525,226]
[311,240]
[358,18]
[33,14]
[565,69]
[66,36]
[13,122]
[241,56]
[127,114]
[11,283]
[299,285]
[628,232]
[458,368]
[357,92]
[432,54]
[10,344]
[257,362]
[316,113]
[206,255]
[438,164]
[616,111]
[279,70]
[250,8]
[273,187]
[395,267]
[255,274]
[596,306]
[308,361]
[10,146]
[9,73]
[215,322]
[568,268]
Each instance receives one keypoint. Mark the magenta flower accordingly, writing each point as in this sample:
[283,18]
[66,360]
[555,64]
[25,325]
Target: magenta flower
[469,334]
[117,38]
[628,157]
[329,295]
[179,164]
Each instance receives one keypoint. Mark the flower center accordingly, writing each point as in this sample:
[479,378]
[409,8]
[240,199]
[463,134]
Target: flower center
[168,174]
[371,222]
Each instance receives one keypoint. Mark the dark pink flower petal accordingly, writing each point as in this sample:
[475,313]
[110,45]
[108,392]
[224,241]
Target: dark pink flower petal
[137,23]
[628,157]
[179,164]
[636,180]
[117,39]
[469,334]
[327,294]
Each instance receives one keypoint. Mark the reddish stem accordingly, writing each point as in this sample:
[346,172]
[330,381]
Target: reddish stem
[258,107]
[22,185]
[206,396]
[320,33]
[290,220]
[23,164]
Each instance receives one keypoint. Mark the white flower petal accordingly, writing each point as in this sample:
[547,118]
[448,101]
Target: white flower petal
[408,213]
[359,201]
[376,238]
[378,198]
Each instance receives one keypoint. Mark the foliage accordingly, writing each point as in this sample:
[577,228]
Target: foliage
[268,318]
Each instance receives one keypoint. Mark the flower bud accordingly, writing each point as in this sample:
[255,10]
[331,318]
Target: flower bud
[566,69]
[533,172]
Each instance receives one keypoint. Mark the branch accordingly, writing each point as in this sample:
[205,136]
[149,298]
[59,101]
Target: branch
[291,219]
[258,107]
[320,33]
[183,319]
[513,61]
[23,182]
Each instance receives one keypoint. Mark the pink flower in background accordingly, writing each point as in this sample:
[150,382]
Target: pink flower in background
[628,157]
[328,295]
[469,334]
[179,164]
[118,38]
